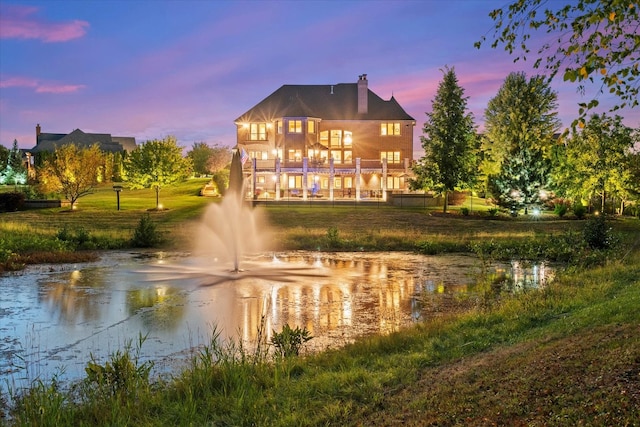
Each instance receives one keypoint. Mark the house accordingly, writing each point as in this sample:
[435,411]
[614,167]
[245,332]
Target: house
[47,142]
[329,141]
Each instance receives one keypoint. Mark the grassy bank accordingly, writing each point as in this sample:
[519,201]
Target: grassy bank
[568,354]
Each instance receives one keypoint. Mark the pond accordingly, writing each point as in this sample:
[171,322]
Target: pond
[54,318]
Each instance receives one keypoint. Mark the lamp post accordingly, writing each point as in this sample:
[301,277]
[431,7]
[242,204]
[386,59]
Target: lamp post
[117,189]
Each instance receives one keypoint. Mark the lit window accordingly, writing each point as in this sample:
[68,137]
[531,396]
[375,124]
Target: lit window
[311,126]
[295,126]
[295,155]
[348,182]
[336,138]
[348,156]
[389,129]
[391,156]
[337,182]
[258,131]
[324,138]
[337,156]
[348,138]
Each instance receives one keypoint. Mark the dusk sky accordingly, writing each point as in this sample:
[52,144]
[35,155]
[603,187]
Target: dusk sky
[188,68]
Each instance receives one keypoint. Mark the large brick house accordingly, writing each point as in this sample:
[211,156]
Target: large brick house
[329,141]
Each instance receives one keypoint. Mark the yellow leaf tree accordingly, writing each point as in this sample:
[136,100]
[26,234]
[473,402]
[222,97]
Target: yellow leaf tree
[72,171]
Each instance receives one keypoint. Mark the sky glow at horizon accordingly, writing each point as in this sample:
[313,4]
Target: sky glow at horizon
[150,69]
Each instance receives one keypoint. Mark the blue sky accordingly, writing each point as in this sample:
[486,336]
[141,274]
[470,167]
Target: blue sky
[188,68]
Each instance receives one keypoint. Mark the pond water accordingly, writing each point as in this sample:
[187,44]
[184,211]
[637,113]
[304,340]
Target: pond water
[54,317]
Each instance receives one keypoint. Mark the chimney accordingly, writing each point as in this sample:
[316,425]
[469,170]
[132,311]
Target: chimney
[363,92]
[38,132]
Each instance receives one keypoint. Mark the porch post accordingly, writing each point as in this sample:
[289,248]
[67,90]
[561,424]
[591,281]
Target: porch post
[254,178]
[358,178]
[384,179]
[305,184]
[331,180]
[277,178]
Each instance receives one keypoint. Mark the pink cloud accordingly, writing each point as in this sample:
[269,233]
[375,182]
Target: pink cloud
[18,22]
[59,88]
[39,87]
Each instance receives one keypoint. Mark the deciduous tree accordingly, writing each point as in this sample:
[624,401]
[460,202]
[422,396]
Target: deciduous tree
[598,160]
[595,41]
[449,141]
[156,164]
[71,171]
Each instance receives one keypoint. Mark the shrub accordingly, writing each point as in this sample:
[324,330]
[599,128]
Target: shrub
[333,236]
[464,211]
[560,209]
[493,212]
[12,201]
[146,235]
[597,234]
[579,210]
[289,342]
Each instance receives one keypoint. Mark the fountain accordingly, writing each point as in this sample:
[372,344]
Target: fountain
[231,241]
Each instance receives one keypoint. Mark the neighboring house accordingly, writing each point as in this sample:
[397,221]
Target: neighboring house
[330,141]
[47,142]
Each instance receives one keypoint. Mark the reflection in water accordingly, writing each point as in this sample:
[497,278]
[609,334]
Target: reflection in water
[57,319]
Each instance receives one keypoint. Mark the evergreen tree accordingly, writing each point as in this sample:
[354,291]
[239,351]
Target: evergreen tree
[520,132]
[449,141]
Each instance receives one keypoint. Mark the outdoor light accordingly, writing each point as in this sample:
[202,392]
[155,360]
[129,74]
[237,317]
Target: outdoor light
[117,189]
[536,211]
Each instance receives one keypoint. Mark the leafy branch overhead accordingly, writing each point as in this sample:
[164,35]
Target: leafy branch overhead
[591,41]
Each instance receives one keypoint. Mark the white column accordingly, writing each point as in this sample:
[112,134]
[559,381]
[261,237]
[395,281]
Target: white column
[277,178]
[357,178]
[384,179]
[331,178]
[305,183]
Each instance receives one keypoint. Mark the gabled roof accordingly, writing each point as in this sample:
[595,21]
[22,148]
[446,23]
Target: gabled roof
[49,141]
[327,102]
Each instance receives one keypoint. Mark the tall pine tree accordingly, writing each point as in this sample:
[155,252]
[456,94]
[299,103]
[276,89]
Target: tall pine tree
[520,125]
[449,142]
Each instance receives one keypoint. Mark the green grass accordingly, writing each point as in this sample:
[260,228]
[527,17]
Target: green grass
[566,355]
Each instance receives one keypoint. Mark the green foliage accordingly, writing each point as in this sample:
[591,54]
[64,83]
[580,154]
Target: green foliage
[207,159]
[123,375]
[579,210]
[560,209]
[449,141]
[221,180]
[598,160]
[520,125]
[289,342]
[156,164]
[146,235]
[597,233]
[333,236]
[592,42]
[464,211]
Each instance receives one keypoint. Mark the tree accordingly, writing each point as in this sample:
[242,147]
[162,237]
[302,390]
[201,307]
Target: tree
[597,160]
[71,171]
[592,40]
[209,159]
[14,170]
[520,127]
[155,164]
[4,161]
[448,141]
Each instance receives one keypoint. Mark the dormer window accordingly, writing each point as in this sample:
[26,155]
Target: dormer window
[258,131]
